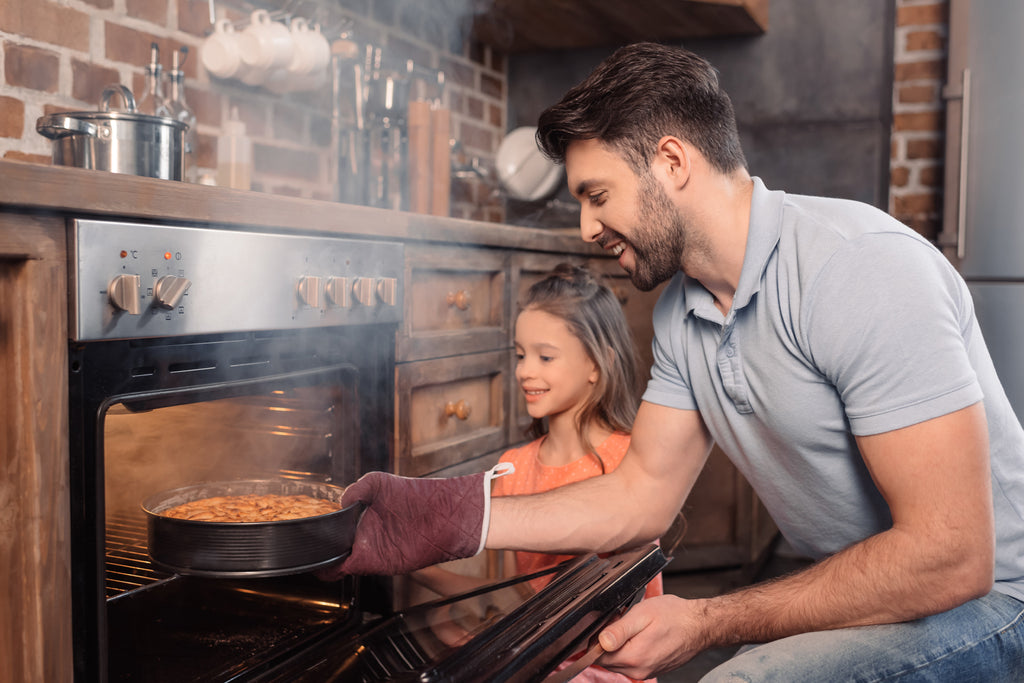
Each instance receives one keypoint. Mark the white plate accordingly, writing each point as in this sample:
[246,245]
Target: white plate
[523,170]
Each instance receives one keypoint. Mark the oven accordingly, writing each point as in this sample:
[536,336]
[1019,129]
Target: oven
[203,354]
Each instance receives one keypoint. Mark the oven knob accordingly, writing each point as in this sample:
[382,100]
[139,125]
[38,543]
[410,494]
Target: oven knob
[387,288]
[370,290]
[169,290]
[309,290]
[124,293]
[337,292]
[363,289]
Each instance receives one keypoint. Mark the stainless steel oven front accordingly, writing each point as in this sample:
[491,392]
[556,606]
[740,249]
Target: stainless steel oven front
[204,354]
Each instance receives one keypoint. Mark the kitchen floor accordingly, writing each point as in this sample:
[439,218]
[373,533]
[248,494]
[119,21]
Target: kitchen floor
[711,583]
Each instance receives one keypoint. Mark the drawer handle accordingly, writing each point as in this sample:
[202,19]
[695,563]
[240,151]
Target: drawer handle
[621,293]
[460,410]
[459,299]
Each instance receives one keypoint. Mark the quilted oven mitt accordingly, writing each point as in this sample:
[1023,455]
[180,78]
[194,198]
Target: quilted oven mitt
[411,523]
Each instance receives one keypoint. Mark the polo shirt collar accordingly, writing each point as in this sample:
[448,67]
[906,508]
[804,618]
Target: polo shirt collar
[762,238]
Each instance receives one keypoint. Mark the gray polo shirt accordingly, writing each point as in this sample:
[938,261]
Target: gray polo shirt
[844,322]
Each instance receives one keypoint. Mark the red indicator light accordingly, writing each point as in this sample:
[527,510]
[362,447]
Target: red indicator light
[124,254]
[167,256]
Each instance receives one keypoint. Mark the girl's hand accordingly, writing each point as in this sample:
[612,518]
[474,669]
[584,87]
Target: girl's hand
[657,635]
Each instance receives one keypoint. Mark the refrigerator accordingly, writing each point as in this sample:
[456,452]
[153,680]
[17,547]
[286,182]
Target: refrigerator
[983,210]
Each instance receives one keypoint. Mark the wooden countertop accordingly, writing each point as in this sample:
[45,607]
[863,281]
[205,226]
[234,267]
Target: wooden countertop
[77,192]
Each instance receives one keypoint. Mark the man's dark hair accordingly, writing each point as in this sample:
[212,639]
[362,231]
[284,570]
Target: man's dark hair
[636,96]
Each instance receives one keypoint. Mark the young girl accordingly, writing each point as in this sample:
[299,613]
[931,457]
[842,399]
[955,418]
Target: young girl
[577,368]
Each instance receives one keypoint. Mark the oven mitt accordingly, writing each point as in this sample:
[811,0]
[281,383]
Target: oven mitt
[411,523]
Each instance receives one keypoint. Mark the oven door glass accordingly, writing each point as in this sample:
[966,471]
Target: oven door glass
[509,631]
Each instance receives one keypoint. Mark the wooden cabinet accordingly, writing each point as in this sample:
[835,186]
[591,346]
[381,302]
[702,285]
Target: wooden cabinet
[452,350]
[531,25]
[450,410]
[35,595]
[455,301]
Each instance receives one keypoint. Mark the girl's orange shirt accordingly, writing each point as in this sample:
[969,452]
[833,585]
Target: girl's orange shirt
[533,476]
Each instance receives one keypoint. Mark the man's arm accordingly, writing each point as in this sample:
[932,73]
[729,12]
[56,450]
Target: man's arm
[938,554]
[411,523]
[633,504]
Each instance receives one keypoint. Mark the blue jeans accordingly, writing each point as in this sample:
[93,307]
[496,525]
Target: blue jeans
[982,641]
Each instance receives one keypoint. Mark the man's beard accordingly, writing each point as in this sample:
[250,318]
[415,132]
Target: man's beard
[659,237]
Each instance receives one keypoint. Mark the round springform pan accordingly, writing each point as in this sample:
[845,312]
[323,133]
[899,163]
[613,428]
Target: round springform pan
[249,549]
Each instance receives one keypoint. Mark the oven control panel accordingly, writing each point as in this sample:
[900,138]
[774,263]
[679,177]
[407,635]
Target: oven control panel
[132,280]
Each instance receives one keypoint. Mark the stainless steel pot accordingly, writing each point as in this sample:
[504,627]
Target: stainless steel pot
[117,141]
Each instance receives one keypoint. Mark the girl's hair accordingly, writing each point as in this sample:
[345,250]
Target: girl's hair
[594,316]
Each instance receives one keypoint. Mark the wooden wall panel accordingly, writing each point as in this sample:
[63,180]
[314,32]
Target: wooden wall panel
[35,579]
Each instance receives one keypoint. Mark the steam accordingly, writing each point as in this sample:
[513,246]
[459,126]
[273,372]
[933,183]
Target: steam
[287,433]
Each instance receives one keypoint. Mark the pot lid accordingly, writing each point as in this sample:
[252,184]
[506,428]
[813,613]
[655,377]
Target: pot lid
[100,116]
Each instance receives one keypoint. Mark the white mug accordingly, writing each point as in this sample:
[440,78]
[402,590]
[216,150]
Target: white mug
[221,53]
[303,48]
[321,50]
[312,52]
[266,44]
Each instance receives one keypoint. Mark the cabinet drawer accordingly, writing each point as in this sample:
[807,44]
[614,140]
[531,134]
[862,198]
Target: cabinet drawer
[456,302]
[449,410]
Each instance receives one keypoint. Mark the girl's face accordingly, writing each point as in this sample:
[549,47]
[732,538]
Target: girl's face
[553,369]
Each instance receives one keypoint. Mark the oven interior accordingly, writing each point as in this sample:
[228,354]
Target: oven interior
[154,415]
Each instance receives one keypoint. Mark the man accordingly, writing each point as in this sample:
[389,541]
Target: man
[835,357]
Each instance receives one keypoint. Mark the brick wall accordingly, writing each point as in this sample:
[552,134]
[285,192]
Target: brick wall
[916,164]
[58,55]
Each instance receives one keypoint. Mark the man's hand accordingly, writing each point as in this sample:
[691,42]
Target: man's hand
[411,523]
[658,634]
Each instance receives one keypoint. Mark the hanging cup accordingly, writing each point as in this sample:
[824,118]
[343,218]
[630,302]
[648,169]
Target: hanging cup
[266,44]
[221,51]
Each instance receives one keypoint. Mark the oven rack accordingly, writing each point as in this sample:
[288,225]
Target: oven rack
[127,557]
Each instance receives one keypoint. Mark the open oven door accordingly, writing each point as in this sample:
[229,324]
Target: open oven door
[508,631]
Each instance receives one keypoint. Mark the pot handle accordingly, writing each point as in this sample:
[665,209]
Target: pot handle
[61,126]
[117,89]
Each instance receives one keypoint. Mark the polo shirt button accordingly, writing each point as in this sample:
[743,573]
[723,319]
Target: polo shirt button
[730,350]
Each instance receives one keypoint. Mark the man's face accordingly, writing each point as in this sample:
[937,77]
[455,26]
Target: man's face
[629,215]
